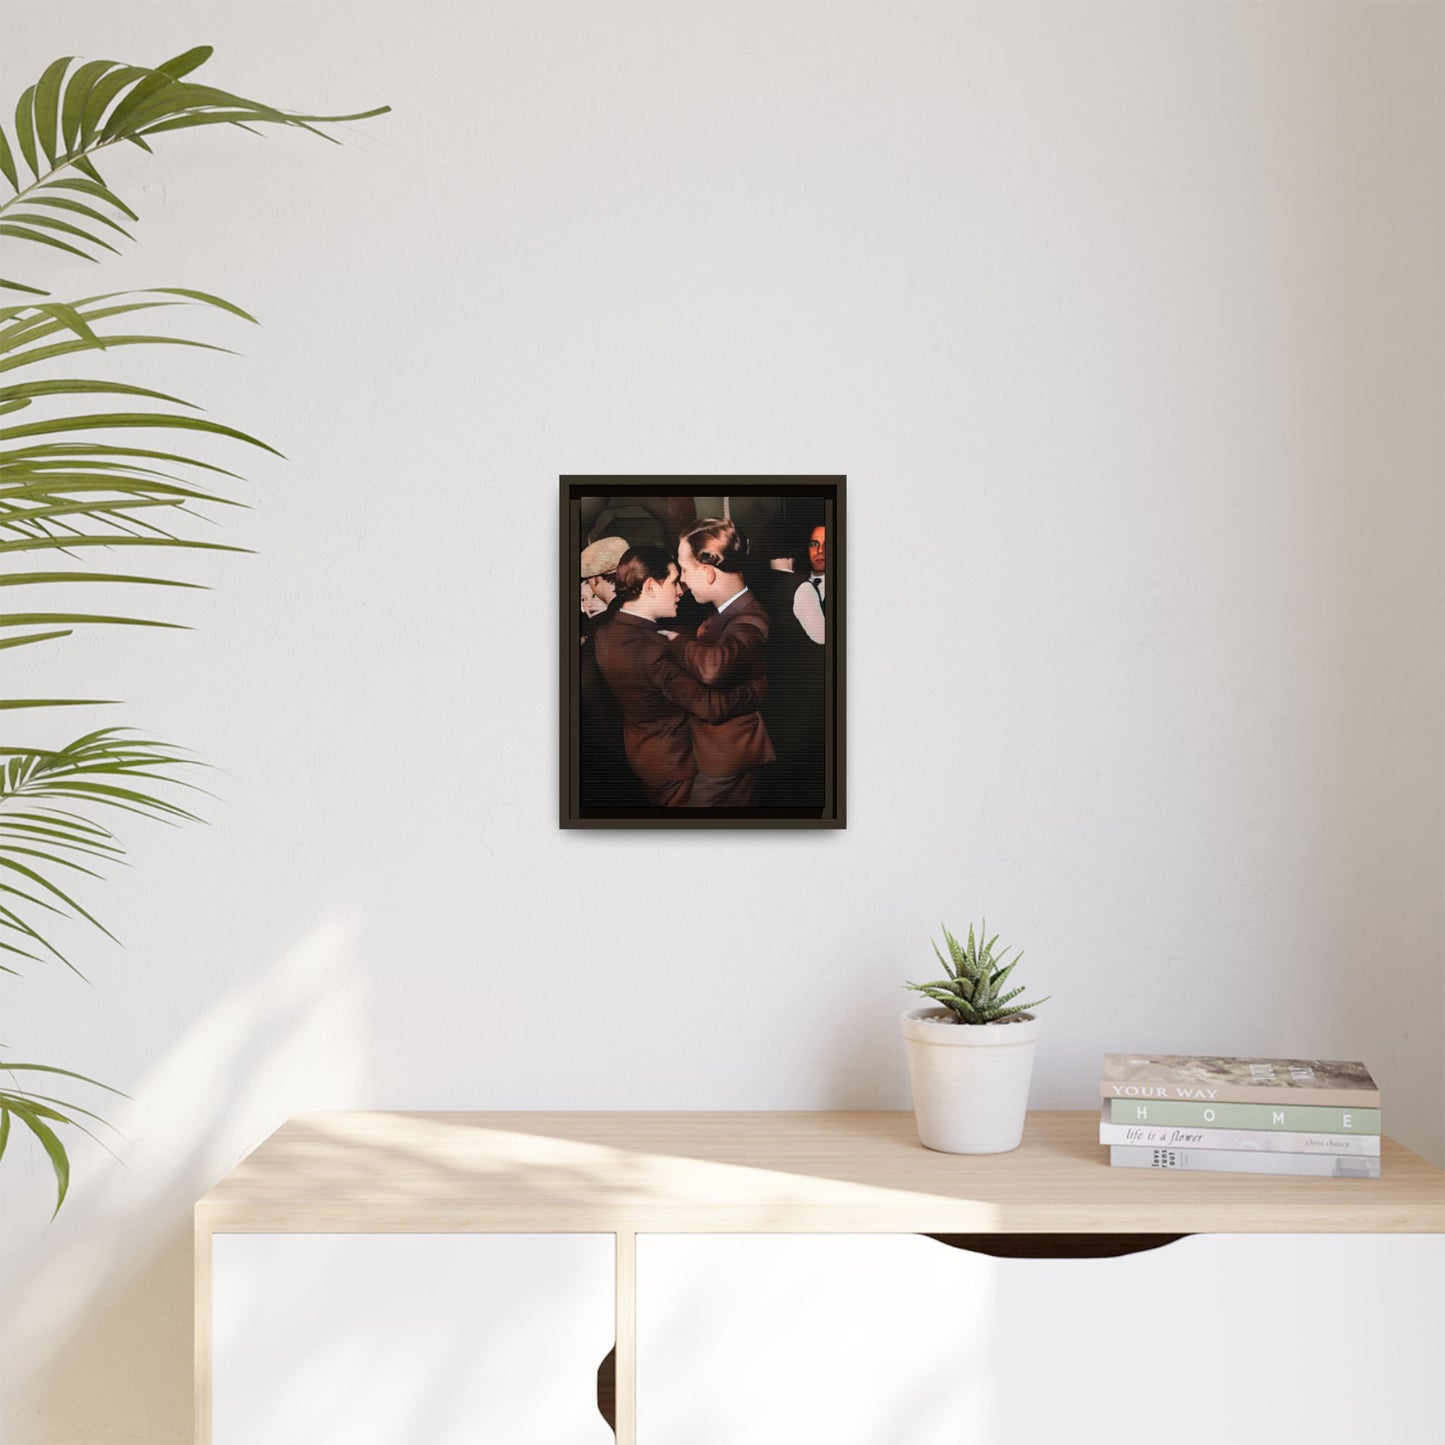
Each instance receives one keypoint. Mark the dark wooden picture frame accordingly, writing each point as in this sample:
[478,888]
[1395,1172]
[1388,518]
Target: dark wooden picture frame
[658,504]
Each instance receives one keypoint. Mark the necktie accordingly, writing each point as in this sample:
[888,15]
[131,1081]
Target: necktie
[818,588]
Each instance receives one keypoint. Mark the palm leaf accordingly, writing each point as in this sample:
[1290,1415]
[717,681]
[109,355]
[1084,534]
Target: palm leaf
[9,1066]
[114,420]
[8,704]
[54,223]
[30,638]
[60,491]
[77,89]
[32,390]
[67,543]
[7,169]
[47,108]
[30,1115]
[77,619]
[79,208]
[41,1113]
[66,348]
[93,188]
[110,768]
[25,130]
[23,233]
[31,1096]
[63,120]
[43,484]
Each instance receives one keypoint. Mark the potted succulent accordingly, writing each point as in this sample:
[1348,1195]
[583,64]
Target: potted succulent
[971,1057]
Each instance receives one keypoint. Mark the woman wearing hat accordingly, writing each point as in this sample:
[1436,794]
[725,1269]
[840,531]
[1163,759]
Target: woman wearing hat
[606,780]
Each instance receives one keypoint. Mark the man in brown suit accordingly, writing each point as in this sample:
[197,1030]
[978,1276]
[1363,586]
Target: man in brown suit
[657,697]
[730,649]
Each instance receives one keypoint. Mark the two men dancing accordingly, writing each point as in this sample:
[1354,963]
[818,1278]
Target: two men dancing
[692,731]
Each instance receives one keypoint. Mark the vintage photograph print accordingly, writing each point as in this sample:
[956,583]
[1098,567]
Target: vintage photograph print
[702,652]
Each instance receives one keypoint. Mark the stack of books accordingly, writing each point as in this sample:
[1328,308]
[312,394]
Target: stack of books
[1243,1116]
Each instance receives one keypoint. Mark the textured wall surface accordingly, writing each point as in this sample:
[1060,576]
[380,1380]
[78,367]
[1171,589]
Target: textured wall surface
[1124,323]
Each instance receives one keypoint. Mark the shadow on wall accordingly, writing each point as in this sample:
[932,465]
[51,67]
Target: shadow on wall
[97,1341]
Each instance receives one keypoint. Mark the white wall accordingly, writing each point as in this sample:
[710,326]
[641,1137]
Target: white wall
[1124,323]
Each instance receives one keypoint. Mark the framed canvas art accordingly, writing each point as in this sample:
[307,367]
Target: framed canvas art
[701,636]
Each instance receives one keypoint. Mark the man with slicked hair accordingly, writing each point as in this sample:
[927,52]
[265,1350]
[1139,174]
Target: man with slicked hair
[730,649]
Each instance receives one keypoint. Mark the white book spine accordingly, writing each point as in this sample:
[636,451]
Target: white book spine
[1260,1141]
[1234,1161]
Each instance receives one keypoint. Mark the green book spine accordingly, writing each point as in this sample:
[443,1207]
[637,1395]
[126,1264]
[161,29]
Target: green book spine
[1311,1118]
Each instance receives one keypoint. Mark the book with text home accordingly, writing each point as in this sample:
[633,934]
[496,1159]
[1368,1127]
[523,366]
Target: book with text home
[1241,1081]
[1267,1141]
[1232,1161]
[1301,1118]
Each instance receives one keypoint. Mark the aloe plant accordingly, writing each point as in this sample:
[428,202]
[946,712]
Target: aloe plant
[74,482]
[973,990]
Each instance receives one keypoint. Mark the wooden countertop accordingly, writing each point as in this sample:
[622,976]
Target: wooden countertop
[826,1172]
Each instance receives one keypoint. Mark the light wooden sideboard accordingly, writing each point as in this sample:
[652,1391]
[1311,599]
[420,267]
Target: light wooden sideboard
[621,1179]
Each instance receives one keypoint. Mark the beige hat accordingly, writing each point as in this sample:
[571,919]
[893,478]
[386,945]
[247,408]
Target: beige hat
[603,556]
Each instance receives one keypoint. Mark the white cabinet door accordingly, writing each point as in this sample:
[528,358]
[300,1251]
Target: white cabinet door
[808,1340]
[900,1340]
[399,1339]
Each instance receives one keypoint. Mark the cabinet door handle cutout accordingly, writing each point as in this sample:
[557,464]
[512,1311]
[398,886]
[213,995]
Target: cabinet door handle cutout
[607,1389]
[1056,1246]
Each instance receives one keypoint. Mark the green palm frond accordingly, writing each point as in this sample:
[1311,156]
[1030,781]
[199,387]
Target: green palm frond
[39,1113]
[89,466]
[41,831]
[62,491]
[74,111]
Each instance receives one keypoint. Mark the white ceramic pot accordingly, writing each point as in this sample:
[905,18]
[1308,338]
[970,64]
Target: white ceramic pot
[970,1081]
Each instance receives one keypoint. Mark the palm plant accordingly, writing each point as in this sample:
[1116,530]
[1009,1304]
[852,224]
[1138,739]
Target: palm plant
[74,484]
